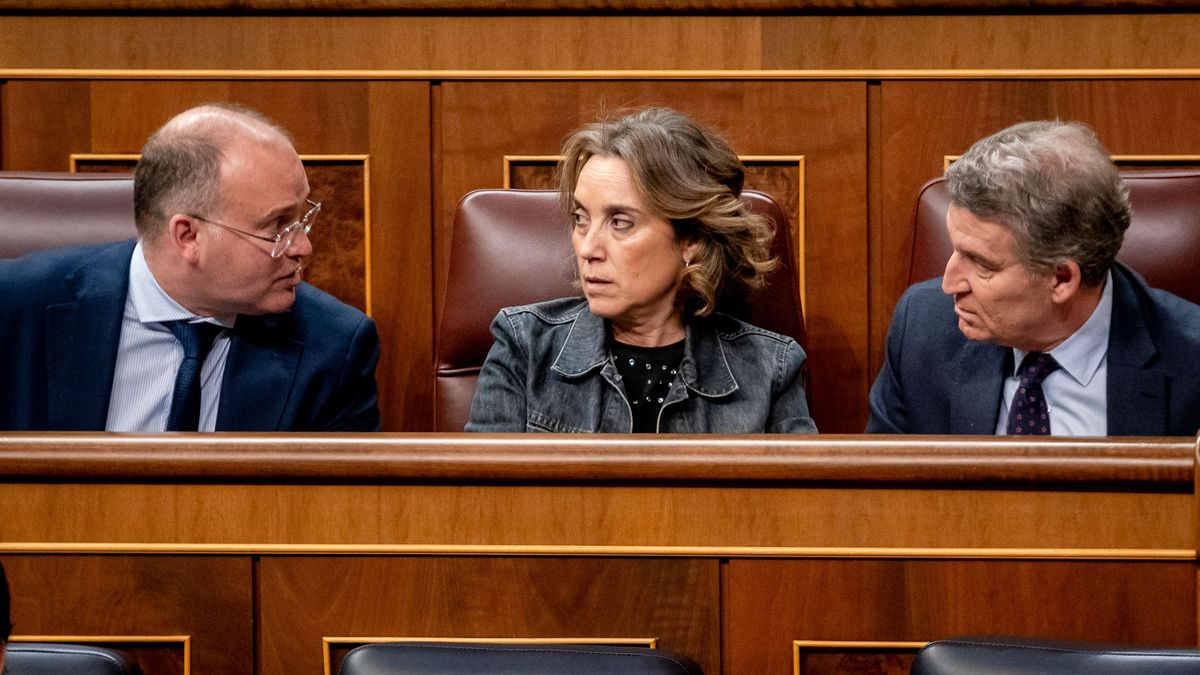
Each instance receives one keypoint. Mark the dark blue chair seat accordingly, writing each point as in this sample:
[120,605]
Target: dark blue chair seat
[48,658]
[405,658]
[1022,656]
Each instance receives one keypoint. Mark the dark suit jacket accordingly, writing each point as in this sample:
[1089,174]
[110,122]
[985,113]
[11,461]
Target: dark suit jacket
[936,381]
[311,368]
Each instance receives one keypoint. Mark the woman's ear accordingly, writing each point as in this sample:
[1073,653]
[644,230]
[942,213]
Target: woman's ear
[691,250]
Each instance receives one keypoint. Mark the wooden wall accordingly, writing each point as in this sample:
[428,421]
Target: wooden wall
[414,108]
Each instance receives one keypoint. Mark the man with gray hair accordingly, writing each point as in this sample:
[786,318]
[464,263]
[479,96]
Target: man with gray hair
[1035,329]
[202,322]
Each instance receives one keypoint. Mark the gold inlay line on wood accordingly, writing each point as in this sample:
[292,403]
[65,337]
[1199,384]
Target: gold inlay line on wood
[547,74]
[1147,554]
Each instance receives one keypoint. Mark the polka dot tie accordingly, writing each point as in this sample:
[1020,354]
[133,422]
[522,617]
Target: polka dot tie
[1029,415]
[197,339]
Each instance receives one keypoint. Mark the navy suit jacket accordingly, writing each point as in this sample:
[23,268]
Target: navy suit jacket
[936,381]
[311,368]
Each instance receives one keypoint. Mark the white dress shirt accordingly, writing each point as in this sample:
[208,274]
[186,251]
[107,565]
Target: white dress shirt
[1076,393]
[148,357]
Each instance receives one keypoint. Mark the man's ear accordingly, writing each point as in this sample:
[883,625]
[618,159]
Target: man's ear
[1066,281]
[181,237]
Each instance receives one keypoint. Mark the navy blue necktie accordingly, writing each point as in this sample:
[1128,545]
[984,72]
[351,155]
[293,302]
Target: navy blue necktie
[197,340]
[1029,415]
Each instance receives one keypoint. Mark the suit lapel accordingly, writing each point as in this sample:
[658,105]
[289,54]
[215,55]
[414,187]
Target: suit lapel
[260,372]
[82,339]
[1137,397]
[976,400]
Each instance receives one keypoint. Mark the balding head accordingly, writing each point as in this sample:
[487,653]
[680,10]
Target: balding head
[180,167]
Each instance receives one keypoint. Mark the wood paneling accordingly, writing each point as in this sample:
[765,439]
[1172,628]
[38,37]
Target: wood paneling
[440,490]
[691,543]
[206,598]
[733,39]
[821,521]
[398,136]
[482,122]
[675,601]
[925,121]
[773,602]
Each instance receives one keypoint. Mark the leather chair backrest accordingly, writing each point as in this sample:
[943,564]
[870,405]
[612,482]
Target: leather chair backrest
[1017,656]
[48,658]
[445,658]
[1162,242]
[512,247]
[48,210]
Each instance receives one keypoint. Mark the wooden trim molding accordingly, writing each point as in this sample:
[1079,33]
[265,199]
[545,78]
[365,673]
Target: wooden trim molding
[1162,464]
[682,7]
[530,75]
[791,552]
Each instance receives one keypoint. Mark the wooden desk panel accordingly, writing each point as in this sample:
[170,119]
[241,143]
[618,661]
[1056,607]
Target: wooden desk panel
[674,602]
[733,550]
[612,520]
[175,615]
[773,603]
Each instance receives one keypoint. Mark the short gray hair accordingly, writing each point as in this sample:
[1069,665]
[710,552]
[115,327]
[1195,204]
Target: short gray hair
[690,176]
[1055,187]
[179,170]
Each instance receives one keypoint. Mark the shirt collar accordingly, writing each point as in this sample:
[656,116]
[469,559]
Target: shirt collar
[151,304]
[1082,352]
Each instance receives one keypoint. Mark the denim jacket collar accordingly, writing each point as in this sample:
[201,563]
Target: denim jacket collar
[585,349]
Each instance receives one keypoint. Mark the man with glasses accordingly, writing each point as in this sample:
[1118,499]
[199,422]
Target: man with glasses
[202,322]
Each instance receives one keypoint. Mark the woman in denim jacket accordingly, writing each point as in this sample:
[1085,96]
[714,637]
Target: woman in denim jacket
[660,235]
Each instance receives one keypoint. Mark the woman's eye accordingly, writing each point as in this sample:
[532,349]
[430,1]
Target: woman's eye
[580,219]
[620,223]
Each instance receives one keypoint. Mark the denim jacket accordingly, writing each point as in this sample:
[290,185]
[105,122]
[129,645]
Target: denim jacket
[550,370]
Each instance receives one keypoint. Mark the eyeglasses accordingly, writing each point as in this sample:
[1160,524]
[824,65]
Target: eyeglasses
[282,241]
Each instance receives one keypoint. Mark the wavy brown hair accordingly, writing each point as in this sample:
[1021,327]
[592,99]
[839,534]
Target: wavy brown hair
[1056,189]
[691,177]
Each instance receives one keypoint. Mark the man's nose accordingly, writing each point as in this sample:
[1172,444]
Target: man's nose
[953,279]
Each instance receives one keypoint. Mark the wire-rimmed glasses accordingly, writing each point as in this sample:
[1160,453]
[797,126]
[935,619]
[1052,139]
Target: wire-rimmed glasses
[282,241]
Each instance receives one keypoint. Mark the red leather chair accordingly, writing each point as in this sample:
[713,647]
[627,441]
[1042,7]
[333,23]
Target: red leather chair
[512,247]
[1162,243]
[47,210]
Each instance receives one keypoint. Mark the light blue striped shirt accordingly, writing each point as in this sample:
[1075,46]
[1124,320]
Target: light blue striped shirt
[149,356]
[1076,393]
